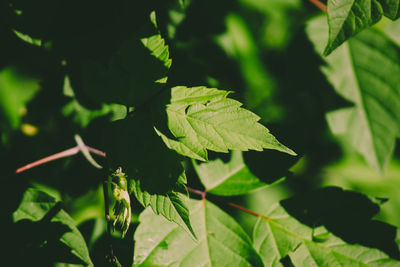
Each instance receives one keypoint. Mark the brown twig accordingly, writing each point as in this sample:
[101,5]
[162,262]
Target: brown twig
[319,4]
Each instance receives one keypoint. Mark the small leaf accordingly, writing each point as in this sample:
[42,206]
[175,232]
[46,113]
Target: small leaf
[204,118]
[36,204]
[227,179]
[346,18]
[173,205]
[365,71]
[221,240]
[279,235]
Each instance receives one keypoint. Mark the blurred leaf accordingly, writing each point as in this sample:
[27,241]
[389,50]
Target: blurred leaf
[15,92]
[279,235]
[227,179]
[84,116]
[172,205]
[221,241]
[134,74]
[36,205]
[28,39]
[365,71]
[352,173]
[260,91]
[392,30]
[391,8]
[204,118]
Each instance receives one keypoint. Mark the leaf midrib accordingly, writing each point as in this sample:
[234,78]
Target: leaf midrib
[362,104]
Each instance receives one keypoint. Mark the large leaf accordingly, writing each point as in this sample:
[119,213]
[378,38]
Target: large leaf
[221,241]
[278,235]
[173,205]
[36,204]
[227,179]
[346,18]
[135,73]
[365,71]
[204,118]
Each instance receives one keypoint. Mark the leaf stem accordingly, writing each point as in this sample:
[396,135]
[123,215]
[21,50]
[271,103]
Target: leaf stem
[246,210]
[319,4]
[107,214]
[63,154]
[203,196]
[198,192]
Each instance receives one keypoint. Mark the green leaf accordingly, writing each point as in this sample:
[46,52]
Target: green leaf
[204,118]
[172,205]
[84,116]
[15,92]
[134,145]
[36,204]
[391,8]
[365,71]
[279,235]
[122,208]
[135,73]
[227,179]
[155,172]
[27,38]
[346,18]
[221,241]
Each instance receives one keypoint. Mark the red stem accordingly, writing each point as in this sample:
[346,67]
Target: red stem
[319,4]
[198,192]
[63,154]
[203,196]
[246,210]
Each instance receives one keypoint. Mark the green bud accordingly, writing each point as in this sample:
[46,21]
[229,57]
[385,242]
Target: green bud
[122,207]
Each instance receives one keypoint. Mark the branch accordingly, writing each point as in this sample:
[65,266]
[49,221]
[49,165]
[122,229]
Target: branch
[319,4]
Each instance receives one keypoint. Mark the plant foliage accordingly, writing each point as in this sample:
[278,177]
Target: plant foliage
[181,105]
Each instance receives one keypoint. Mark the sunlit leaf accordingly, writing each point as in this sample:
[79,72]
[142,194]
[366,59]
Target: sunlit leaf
[278,235]
[348,17]
[365,71]
[220,240]
[204,118]
[227,179]
[36,204]
[173,205]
